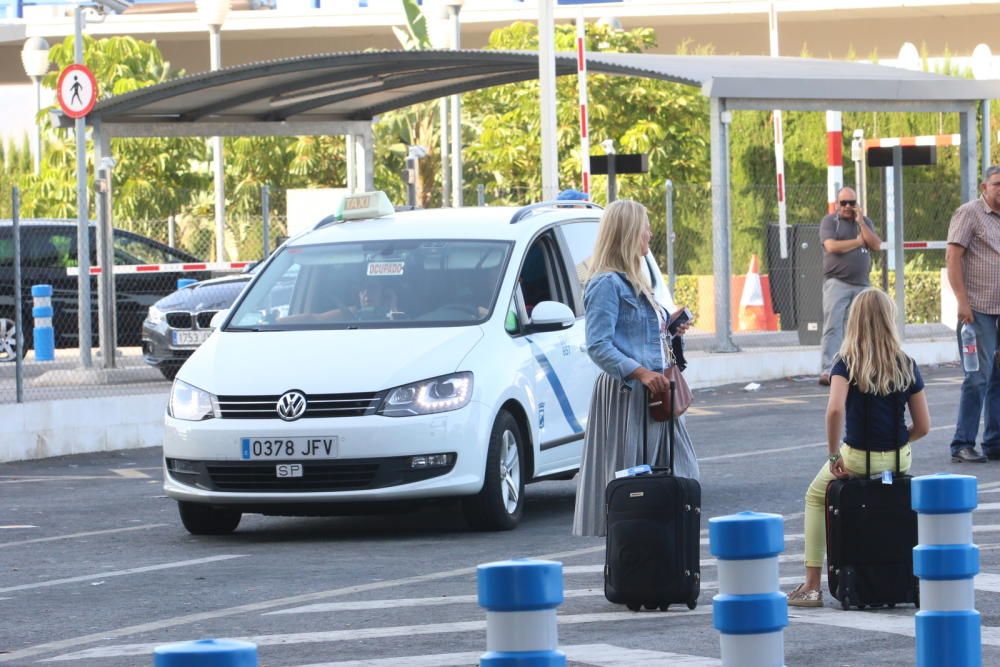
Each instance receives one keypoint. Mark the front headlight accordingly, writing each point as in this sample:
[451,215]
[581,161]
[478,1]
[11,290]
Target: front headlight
[190,403]
[155,315]
[441,394]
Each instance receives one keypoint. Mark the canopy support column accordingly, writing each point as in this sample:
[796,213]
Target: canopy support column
[107,311]
[967,153]
[719,125]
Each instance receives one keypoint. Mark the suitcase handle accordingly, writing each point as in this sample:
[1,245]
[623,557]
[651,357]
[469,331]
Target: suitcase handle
[645,427]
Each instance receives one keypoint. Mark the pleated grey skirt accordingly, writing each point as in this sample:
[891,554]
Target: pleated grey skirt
[614,442]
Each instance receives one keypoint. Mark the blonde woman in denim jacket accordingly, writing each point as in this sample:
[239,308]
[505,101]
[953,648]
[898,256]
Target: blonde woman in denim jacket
[627,338]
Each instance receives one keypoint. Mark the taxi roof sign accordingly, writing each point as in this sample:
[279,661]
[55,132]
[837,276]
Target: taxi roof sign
[364,205]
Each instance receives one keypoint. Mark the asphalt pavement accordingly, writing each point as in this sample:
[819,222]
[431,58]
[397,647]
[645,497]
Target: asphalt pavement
[96,569]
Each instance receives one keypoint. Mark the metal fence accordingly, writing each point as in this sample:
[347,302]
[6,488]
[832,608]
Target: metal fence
[157,326]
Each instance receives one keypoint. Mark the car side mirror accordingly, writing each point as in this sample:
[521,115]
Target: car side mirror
[219,318]
[551,316]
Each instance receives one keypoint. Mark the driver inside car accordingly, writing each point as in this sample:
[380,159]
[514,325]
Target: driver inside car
[374,303]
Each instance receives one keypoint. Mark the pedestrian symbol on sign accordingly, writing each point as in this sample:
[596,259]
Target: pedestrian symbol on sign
[76,91]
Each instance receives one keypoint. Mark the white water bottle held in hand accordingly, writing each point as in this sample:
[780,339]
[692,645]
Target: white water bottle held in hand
[970,353]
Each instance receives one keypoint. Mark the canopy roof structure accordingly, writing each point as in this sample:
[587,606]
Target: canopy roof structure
[342,93]
[359,86]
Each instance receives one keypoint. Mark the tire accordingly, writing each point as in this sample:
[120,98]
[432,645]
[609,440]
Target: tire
[501,502]
[201,519]
[169,371]
[632,606]
[8,340]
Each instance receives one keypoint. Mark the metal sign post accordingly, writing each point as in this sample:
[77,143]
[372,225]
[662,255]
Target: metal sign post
[18,295]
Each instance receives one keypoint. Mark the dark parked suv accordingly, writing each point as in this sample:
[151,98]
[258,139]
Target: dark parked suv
[49,247]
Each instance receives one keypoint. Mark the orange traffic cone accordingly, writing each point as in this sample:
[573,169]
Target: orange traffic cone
[753,312]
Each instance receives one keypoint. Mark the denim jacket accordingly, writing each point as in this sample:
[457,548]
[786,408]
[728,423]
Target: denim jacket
[623,331]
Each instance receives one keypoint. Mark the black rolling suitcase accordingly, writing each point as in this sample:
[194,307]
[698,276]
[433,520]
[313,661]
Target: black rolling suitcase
[653,537]
[871,530]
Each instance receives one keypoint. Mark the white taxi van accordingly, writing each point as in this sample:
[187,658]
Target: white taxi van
[387,357]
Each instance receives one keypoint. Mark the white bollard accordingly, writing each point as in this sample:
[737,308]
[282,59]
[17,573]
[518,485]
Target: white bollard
[520,597]
[749,611]
[946,561]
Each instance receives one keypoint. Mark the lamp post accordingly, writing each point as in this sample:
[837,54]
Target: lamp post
[213,14]
[35,58]
[454,7]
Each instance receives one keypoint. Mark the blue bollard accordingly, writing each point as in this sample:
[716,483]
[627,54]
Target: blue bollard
[946,561]
[206,653]
[520,597]
[184,282]
[43,333]
[749,611]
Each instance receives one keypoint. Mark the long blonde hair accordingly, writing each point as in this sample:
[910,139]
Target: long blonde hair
[872,350]
[619,243]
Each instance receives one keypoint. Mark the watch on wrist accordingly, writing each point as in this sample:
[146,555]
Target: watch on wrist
[833,458]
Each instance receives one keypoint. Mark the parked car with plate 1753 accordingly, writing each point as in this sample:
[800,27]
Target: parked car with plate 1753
[178,323]
[386,358]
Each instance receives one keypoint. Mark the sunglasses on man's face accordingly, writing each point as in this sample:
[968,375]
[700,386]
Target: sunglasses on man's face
[848,202]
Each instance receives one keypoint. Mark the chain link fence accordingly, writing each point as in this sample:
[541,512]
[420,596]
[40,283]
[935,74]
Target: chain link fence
[158,326]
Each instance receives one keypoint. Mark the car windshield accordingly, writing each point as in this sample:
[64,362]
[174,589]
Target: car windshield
[375,284]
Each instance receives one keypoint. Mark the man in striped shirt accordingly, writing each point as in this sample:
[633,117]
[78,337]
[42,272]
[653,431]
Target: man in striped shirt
[973,259]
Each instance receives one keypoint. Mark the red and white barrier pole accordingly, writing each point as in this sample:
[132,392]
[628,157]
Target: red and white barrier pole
[834,158]
[581,74]
[779,143]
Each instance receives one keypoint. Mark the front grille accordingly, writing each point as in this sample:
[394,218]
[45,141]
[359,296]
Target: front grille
[179,320]
[317,406]
[204,318]
[317,476]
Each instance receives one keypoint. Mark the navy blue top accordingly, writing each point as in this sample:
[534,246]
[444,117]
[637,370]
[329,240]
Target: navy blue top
[886,428]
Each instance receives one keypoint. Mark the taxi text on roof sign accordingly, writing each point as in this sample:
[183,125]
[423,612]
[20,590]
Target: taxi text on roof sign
[365,205]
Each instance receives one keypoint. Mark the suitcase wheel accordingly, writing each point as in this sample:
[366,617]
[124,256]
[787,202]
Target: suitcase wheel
[664,607]
[653,606]
[692,603]
[633,606]
[892,605]
[845,604]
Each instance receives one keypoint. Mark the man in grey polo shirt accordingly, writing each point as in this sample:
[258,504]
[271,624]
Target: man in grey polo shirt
[973,259]
[848,238]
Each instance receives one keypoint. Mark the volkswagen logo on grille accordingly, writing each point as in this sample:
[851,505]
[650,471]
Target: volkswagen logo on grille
[291,405]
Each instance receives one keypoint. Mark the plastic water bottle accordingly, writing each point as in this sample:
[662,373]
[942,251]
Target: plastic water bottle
[970,354]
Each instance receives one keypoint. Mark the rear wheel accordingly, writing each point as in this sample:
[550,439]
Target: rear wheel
[501,502]
[201,519]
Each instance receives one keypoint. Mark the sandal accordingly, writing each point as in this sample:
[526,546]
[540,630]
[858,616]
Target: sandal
[803,597]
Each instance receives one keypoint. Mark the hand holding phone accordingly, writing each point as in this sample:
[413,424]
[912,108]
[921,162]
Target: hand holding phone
[682,316]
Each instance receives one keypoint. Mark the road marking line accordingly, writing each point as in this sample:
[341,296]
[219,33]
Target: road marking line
[400,603]
[354,634]
[987,506]
[198,617]
[130,473]
[20,479]
[17,526]
[119,573]
[778,450]
[86,534]
[596,655]
[891,622]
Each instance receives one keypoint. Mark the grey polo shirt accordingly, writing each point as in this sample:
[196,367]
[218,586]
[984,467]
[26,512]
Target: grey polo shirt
[852,266]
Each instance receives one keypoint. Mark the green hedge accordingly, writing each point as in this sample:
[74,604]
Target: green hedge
[923,294]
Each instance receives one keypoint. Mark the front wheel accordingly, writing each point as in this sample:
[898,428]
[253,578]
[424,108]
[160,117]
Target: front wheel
[498,506]
[201,519]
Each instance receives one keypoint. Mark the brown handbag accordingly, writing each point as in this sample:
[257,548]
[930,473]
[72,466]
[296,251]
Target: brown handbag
[663,406]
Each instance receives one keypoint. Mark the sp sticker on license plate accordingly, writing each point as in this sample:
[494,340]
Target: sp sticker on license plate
[288,470]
